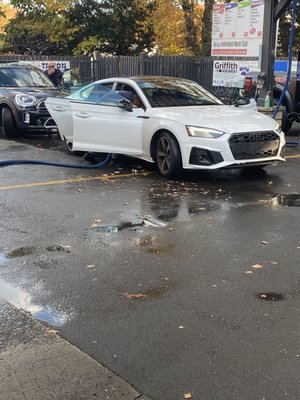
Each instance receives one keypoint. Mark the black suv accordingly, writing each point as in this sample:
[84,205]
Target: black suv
[23,90]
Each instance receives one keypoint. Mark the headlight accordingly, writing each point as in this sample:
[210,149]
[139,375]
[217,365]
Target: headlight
[277,128]
[197,131]
[25,100]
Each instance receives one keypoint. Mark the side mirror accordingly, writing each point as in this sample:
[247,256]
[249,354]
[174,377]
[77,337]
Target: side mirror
[241,101]
[126,104]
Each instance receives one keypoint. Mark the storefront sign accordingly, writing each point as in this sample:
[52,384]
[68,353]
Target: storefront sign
[43,65]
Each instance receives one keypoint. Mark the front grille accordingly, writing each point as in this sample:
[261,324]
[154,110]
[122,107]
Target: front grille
[41,106]
[254,145]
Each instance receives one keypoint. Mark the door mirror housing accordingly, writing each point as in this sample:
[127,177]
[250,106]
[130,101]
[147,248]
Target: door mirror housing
[126,104]
[241,101]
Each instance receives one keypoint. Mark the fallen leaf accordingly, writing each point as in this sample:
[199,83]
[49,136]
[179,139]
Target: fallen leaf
[249,272]
[187,395]
[134,295]
[264,242]
[257,266]
[274,262]
[52,331]
[93,225]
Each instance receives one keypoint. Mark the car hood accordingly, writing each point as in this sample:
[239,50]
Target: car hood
[38,92]
[227,119]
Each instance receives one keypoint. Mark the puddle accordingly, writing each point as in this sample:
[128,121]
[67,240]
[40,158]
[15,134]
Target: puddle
[146,221]
[159,249]
[59,247]
[155,292]
[287,200]
[3,259]
[22,300]
[21,252]
[270,296]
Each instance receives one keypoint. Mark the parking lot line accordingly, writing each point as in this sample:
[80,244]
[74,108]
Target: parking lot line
[293,156]
[74,180]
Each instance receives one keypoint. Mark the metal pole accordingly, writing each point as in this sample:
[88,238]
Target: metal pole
[268,53]
[274,9]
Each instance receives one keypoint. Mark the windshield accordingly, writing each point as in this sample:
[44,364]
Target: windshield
[23,77]
[176,93]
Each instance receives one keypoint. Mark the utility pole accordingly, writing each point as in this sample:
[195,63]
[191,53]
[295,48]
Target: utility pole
[273,11]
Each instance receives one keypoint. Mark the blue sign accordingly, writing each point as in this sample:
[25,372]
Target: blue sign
[281,66]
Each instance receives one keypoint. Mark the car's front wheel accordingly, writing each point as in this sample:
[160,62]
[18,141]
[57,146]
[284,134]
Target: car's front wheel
[9,125]
[168,156]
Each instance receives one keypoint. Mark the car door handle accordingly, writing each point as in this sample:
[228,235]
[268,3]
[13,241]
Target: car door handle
[58,108]
[82,115]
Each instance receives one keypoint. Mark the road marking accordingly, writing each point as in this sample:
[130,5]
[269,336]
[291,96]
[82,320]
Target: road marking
[74,180]
[294,156]
[89,178]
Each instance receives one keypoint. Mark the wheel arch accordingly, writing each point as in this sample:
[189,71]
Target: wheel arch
[5,104]
[288,101]
[154,141]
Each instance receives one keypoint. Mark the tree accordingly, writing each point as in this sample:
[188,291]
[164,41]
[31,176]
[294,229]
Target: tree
[192,18]
[169,29]
[40,27]
[177,27]
[7,12]
[127,27]
[284,32]
[207,27]
[75,26]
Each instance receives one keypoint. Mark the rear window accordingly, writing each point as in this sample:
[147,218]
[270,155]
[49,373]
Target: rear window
[20,77]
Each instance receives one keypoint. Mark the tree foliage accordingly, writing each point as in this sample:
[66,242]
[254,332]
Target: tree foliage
[192,18]
[177,27]
[76,26]
[207,27]
[284,32]
[40,27]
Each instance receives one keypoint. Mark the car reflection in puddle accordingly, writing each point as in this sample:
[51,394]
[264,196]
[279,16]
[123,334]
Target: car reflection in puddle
[22,300]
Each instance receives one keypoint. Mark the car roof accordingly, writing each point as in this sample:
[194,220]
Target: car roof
[17,65]
[156,78]
[145,78]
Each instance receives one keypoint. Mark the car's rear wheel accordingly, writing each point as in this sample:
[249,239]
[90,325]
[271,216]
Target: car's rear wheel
[9,125]
[69,148]
[168,156]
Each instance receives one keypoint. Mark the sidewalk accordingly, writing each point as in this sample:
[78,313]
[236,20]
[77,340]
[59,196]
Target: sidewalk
[36,364]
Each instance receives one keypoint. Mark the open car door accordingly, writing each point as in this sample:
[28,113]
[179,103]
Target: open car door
[61,112]
[109,125]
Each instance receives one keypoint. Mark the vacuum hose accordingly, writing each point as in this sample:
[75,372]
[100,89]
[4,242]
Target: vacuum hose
[6,163]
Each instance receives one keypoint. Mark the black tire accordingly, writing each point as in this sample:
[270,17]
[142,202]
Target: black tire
[286,125]
[9,125]
[168,156]
[69,148]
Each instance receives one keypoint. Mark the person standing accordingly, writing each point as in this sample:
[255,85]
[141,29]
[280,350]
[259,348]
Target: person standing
[55,75]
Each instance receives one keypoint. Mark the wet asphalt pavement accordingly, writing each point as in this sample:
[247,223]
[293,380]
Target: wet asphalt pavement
[183,286]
